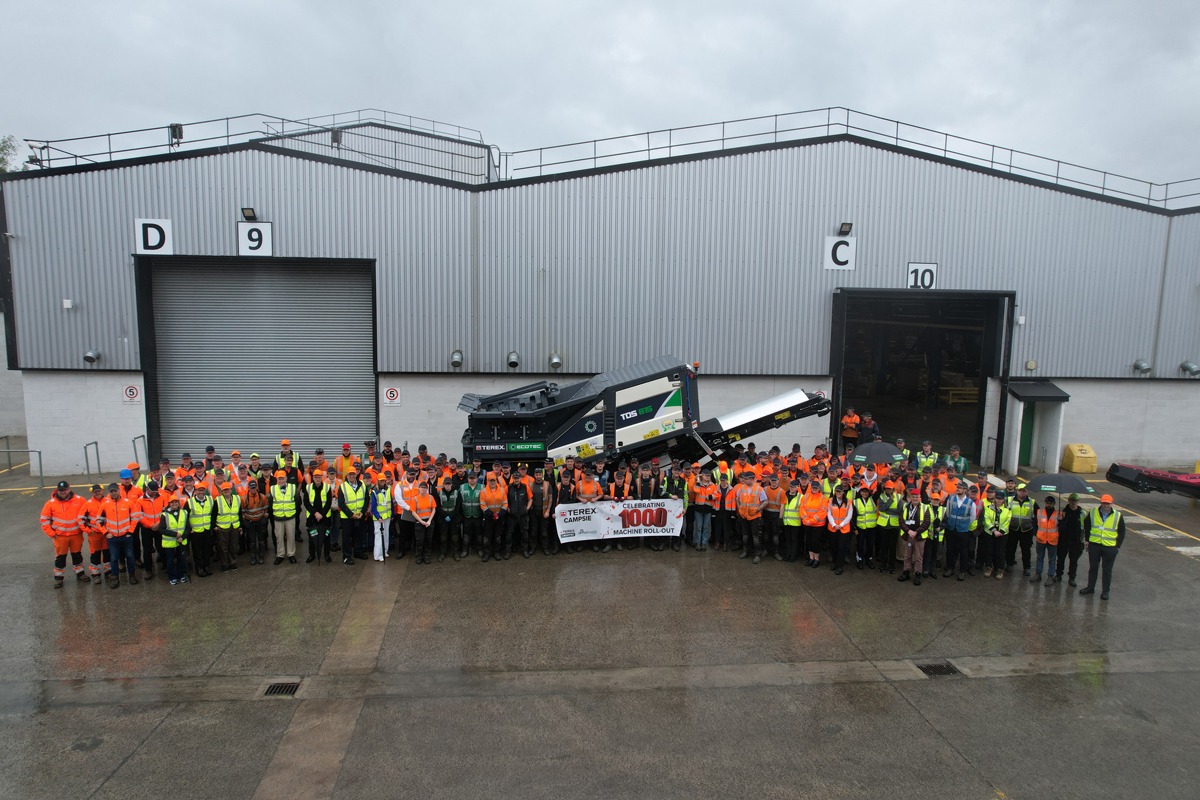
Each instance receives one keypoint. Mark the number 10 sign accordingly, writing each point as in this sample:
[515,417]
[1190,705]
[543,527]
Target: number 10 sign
[921,276]
[254,239]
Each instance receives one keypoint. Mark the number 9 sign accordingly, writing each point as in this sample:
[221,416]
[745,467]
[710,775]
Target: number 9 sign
[255,239]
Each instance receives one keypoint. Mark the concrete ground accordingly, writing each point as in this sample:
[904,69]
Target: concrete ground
[631,674]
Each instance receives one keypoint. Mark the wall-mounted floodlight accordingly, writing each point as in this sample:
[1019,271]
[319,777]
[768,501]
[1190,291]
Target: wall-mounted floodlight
[845,229]
[1141,367]
[249,215]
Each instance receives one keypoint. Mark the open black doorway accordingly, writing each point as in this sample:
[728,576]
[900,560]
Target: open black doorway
[919,361]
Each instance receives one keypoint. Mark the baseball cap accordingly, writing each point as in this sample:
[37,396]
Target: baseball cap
[369,442]
[422,449]
[654,461]
[387,444]
[285,443]
[186,455]
[1072,496]
[152,486]
[346,446]
[95,487]
[1106,498]
[210,449]
[280,474]
[125,474]
[112,486]
[225,486]
[133,465]
[319,472]
[320,451]
[926,442]
[237,453]
[254,455]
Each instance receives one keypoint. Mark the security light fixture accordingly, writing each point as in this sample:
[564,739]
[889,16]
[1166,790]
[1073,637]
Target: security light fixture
[91,356]
[174,134]
[335,137]
[555,361]
[249,215]
[456,358]
[1141,367]
[845,229]
[514,360]
[1191,368]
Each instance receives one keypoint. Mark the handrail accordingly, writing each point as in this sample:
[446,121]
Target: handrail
[6,444]
[87,467]
[145,450]
[41,472]
[834,120]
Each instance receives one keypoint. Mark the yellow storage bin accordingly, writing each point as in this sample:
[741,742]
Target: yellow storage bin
[1079,458]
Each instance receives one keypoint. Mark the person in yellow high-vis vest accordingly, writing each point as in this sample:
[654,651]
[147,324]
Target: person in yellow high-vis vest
[283,502]
[1105,531]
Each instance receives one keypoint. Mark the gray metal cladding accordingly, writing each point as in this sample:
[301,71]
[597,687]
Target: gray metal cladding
[75,234]
[716,260]
[1179,326]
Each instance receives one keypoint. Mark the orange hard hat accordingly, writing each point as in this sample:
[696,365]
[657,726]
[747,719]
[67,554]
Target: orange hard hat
[724,465]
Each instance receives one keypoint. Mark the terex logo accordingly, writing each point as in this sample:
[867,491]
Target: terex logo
[489,448]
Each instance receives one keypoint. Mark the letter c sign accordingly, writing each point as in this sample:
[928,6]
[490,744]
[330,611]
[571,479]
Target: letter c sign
[153,237]
[840,252]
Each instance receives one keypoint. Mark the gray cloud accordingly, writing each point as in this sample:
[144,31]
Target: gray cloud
[1105,84]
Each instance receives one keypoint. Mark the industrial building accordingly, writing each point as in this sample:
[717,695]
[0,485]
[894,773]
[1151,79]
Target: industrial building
[240,281]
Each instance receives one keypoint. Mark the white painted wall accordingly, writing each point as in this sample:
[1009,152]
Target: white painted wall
[1047,433]
[12,398]
[1012,435]
[428,409]
[1145,422]
[63,410]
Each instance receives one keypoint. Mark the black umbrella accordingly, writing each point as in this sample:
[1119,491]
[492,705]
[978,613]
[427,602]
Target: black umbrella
[1059,483]
[877,453]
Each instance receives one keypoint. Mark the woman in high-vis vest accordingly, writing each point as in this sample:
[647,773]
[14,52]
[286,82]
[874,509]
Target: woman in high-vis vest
[792,518]
[704,498]
[815,509]
[839,518]
[1047,541]
[887,528]
[866,518]
[423,508]
[175,542]
[994,539]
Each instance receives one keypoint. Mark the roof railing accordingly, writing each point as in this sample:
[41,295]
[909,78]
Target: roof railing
[835,120]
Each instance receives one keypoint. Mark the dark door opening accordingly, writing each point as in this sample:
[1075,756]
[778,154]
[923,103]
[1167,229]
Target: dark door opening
[919,361]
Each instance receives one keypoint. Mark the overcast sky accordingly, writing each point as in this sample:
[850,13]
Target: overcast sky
[1113,85]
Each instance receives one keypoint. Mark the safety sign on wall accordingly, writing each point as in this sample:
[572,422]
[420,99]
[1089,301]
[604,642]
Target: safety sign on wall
[391,396]
[132,396]
[153,237]
[840,252]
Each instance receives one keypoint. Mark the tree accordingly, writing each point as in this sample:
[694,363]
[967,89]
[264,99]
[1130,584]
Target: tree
[10,155]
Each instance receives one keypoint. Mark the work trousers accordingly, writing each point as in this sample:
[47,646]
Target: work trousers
[472,532]
[1023,538]
[227,541]
[958,556]
[319,536]
[97,553]
[814,538]
[702,526]
[202,548]
[931,552]
[751,531]
[771,525]
[722,528]
[995,550]
[285,537]
[447,532]
[335,530]
[120,548]
[792,534]
[382,528]
[542,531]
[150,542]
[493,535]
[841,548]
[256,536]
[914,553]
[408,534]
[1050,550]
[866,543]
[1069,548]
[175,562]
[422,539]
[886,541]
[1101,555]
[517,532]
[354,536]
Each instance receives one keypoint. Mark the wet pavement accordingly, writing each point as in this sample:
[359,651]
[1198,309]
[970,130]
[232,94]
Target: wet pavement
[633,674]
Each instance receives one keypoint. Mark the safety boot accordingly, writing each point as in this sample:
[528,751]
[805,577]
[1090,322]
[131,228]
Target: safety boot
[83,577]
[58,582]
[97,579]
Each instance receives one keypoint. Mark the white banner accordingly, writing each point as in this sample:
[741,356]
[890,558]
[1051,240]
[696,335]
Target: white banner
[619,519]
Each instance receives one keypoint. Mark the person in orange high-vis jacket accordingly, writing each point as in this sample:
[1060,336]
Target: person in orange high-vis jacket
[154,503]
[423,507]
[850,422]
[121,517]
[772,525]
[60,521]
[91,522]
[751,499]
[838,519]
[1047,540]
[814,509]
[493,502]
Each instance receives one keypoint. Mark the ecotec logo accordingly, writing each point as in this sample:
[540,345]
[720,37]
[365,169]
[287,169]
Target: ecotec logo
[518,448]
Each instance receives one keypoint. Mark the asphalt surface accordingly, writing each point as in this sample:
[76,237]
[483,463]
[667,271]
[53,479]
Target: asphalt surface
[632,674]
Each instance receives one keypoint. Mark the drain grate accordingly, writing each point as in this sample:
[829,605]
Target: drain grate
[938,669]
[281,690]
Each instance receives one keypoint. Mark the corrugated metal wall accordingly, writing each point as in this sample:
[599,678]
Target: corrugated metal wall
[381,146]
[716,260]
[1179,327]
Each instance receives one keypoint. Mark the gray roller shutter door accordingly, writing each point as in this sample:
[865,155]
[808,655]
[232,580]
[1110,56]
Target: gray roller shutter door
[252,353]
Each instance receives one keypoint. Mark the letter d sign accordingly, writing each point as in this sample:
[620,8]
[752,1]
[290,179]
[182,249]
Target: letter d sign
[153,237]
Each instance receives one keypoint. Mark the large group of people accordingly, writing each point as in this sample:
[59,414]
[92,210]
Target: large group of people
[921,515]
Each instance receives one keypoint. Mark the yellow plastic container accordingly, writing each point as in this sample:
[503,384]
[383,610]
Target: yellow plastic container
[1079,458]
